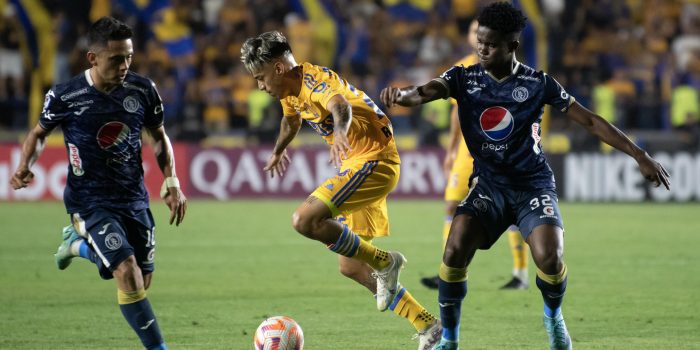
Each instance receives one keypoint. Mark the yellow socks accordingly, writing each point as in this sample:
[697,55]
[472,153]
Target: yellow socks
[407,307]
[351,245]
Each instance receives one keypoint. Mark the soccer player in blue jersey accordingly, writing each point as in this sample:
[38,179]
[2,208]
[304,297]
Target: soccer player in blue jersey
[102,112]
[500,105]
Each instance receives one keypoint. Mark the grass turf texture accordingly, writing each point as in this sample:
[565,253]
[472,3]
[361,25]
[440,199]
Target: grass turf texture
[633,281]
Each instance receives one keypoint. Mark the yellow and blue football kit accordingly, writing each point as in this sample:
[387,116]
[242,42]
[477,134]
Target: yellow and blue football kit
[357,194]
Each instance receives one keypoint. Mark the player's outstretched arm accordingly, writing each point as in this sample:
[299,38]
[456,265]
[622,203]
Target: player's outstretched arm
[608,133]
[31,149]
[412,96]
[277,163]
[170,192]
[342,116]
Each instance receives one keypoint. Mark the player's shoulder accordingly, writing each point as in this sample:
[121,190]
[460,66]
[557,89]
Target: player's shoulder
[529,74]
[468,60]
[138,82]
[74,87]
[319,73]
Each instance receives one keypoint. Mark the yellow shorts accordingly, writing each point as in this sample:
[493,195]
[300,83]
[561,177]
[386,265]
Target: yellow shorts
[458,181]
[357,195]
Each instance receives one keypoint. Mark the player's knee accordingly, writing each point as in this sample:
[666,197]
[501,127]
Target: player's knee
[303,223]
[127,269]
[550,259]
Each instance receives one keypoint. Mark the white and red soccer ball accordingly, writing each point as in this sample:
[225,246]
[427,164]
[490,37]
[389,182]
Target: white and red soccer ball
[279,333]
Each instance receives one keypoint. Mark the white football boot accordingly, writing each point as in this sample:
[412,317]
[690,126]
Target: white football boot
[430,337]
[388,280]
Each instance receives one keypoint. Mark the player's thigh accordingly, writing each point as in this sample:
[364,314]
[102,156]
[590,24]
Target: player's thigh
[141,234]
[536,208]
[105,233]
[488,206]
[358,185]
[369,221]
[467,234]
[547,248]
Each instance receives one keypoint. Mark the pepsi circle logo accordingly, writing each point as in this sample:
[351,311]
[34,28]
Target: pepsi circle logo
[113,136]
[496,122]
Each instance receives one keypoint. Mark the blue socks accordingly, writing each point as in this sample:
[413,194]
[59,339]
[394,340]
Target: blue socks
[85,252]
[142,320]
[450,296]
[553,295]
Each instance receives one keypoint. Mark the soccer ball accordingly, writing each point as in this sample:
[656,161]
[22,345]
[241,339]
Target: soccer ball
[278,333]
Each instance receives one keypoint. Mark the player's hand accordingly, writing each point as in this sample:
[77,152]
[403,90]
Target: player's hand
[177,202]
[390,96]
[277,163]
[339,149]
[21,178]
[653,171]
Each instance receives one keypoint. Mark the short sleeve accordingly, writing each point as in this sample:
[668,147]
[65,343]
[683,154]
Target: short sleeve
[287,109]
[555,95]
[53,112]
[326,86]
[153,117]
[449,79]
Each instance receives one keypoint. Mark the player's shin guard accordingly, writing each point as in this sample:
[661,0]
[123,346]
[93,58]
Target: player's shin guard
[407,307]
[452,288]
[552,288]
[138,313]
[351,245]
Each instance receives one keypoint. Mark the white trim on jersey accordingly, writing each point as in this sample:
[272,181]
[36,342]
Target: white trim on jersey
[88,77]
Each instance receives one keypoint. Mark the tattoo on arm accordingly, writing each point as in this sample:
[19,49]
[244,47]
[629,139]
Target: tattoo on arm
[342,114]
[310,199]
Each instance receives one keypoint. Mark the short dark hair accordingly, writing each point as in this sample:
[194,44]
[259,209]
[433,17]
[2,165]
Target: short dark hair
[503,18]
[108,28]
[264,49]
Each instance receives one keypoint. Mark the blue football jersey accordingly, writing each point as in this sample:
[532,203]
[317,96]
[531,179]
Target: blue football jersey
[102,134]
[500,121]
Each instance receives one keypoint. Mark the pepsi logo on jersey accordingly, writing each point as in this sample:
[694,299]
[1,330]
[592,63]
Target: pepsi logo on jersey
[496,122]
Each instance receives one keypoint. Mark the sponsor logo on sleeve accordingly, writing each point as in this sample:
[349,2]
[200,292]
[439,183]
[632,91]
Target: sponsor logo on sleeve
[75,161]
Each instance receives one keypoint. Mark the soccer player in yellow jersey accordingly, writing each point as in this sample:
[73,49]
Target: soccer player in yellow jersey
[458,166]
[363,150]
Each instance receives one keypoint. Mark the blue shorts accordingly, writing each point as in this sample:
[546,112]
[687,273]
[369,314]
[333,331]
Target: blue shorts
[116,234]
[497,208]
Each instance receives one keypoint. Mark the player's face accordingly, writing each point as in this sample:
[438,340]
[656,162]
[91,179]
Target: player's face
[112,62]
[494,49]
[471,36]
[269,79]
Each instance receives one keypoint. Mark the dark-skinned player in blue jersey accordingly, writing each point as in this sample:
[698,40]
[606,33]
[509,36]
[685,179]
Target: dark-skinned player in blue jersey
[102,112]
[500,105]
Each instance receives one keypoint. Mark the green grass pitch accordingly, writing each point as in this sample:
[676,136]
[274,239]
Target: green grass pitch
[634,281]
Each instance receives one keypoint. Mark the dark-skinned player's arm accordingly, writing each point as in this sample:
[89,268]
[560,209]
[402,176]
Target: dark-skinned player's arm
[341,110]
[289,128]
[608,133]
[31,149]
[413,96]
[170,192]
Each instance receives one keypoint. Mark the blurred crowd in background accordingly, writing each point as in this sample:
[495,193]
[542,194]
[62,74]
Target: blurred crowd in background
[635,62]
